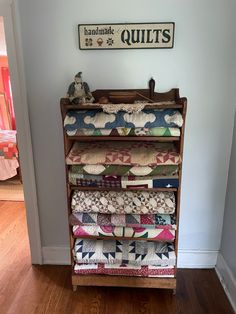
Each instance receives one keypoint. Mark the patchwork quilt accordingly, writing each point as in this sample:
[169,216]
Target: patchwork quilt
[124,270]
[8,147]
[112,170]
[164,221]
[125,132]
[107,181]
[124,232]
[123,153]
[124,252]
[123,202]
[150,118]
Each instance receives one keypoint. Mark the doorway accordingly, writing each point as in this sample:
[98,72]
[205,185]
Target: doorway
[25,171]
[11,187]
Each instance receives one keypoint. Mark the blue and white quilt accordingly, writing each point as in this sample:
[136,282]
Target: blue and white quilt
[150,118]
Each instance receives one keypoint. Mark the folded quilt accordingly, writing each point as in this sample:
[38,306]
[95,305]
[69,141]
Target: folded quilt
[125,132]
[150,118]
[123,202]
[164,221]
[124,232]
[124,270]
[124,252]
[8,146]
[123,153]
[107,181]
[112,170]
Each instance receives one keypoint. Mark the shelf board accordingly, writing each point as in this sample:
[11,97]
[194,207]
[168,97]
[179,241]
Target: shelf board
[94,188]
[118,238]
[123,281]
[89,107]
[125,138]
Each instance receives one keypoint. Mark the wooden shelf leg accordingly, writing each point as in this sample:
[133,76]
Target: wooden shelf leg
[74,287]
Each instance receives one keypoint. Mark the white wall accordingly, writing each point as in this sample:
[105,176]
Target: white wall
[201,65]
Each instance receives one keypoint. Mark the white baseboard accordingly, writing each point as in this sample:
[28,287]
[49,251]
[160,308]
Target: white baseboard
[186,258]
[197,259]
[227,280]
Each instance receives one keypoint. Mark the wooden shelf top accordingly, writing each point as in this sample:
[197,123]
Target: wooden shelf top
[125,138]
[93,188]
[94,106]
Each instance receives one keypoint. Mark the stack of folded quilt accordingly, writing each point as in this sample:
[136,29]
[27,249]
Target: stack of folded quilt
[132,214]
[151,122]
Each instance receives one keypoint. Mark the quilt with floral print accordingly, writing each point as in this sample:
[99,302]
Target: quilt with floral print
[124,232]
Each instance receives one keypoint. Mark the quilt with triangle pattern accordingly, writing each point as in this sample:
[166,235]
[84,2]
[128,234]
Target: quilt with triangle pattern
[124,252]
[123,202]
[124,232]
[124,270]
[121,220]
[123,153]
[125,132]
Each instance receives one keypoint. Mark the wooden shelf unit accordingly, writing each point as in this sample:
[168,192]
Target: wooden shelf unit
[117,238]
[93,188]
[181,105]
[125,138]
[123,281]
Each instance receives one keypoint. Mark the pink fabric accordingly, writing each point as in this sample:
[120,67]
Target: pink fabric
[8,168]
[124,270]
[8,95]
[124,232]
[8,147]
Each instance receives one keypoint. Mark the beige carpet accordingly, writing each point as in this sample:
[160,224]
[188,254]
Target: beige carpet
[11,190]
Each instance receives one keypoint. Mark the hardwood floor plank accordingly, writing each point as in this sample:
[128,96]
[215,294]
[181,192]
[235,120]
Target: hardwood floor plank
[27,289]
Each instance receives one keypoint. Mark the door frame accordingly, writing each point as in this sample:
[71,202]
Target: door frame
[9,11]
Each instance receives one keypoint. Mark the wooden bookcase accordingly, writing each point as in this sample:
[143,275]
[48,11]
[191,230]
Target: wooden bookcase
[177,102]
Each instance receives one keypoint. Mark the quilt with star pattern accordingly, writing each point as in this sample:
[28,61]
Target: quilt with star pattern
[124,252]
[123,153]
[123,202]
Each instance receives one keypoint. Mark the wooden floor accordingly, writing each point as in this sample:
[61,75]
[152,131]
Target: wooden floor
[46,289]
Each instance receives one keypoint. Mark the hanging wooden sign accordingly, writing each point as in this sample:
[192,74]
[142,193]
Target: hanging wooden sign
[126,36]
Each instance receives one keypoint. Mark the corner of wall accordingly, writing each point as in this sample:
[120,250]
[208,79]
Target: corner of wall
[227,279]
